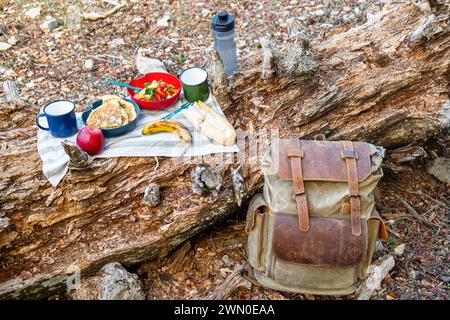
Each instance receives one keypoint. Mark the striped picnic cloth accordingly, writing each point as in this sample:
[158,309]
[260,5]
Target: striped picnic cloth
[133,144]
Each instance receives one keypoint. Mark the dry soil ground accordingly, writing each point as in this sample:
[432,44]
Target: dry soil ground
[47,65]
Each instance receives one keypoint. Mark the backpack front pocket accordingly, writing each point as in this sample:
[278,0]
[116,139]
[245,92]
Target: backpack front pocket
[328,243]
[257,218]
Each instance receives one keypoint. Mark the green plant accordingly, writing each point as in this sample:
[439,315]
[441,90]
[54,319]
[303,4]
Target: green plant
[391,243]
[179,58]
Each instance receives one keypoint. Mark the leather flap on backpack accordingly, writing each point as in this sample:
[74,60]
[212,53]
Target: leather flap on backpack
[322,160]
[328,243]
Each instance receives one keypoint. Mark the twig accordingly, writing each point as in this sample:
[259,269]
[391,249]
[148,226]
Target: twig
[112,58]
[234,281]
[377,272]
[212,240]
[433,208]
[416,214]
[157,163]
[168,39]
[419,193]
[93,16]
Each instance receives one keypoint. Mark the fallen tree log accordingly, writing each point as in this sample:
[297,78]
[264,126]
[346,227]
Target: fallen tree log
[374,83]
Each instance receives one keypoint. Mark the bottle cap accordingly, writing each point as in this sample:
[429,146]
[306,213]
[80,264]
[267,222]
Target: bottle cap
[222,22]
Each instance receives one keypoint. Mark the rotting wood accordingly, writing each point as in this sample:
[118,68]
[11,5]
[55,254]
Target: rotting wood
[177,260]
[10,88]
[376,274]
[370,84]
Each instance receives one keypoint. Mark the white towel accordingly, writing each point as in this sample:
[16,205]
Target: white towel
[132,144]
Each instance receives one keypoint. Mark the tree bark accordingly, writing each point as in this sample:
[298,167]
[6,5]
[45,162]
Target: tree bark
[374,83]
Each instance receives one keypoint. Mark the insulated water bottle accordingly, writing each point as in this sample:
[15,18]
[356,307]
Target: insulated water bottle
[223,31]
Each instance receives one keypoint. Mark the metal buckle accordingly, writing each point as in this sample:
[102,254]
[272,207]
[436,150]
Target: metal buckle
[295,153]
[297,193]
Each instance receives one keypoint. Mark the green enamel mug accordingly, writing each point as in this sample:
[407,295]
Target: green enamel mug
[195,84]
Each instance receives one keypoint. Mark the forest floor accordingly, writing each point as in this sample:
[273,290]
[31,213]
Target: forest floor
[421,272]
[72,63]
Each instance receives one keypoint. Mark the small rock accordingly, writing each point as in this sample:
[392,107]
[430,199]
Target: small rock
[58,35]
[445,278]
[370,17]
[334,13]
[118,284]
[4,46]
[347,8]
[440,168]
[152,196]
[205,12]
[137,19]
[4,222]
[164,21]
[88,64]
[10,73]
[240,43]
[117,42]
[379,246]
[12,40]
[49,24]
[33,12]
[112,282]
[412,274]
[318,13]
[347,18]
[398,251]
[226,261]
[25,275]
[326,26]
[212,179]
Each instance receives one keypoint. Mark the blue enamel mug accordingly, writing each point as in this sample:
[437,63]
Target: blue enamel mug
[61,118]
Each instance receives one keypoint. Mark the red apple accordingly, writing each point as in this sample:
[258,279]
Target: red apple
[91,140]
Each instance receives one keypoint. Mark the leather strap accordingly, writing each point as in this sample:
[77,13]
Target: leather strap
[350,156]
[296,155]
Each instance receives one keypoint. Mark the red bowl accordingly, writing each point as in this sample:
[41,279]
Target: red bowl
[149,77]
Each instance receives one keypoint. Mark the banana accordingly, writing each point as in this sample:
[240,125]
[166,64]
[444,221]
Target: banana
[172,126]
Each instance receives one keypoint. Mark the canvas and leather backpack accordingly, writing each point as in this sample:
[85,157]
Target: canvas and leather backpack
[314,229]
